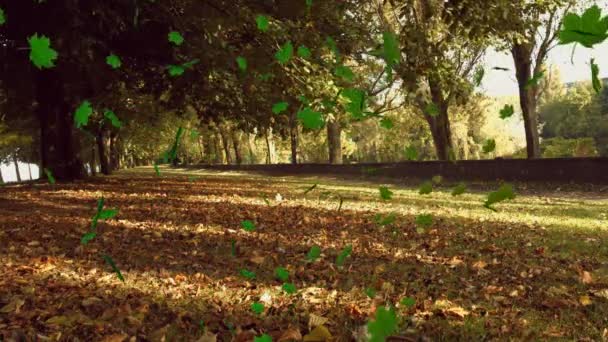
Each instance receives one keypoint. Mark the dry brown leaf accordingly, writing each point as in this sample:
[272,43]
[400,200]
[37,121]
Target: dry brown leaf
[291,334]
[318,334]
[480,265]
[115,338]
[586,277]
[208,337]
[13,305]
[600,293]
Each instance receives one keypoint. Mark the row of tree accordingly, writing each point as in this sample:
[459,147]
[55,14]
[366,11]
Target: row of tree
[225,70]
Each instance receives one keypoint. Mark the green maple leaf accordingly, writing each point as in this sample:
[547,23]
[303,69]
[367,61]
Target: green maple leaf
[370,292]
[588,30]
[41,53]
[426,188]
[247,274]
[459,189]
[391,51]
[107,214]
[190,64]
[289,288]
[309,3]
[262,22]
[432,109]
[176,70]
[424,220]
[266,76]
[257,308]
[304,52]
[113,61]
[242,63]
[386,123]
[408,302]
[411,153]
[156,170]
[285,53]
[595,71]
[345,73]
[535,80]
[2,17]
[194,134]
[345,253]
[115,269]
[314,253]
[114,120]
[479,74]
[81,116]
[248,225]
[507,111]
[280,107]
[176,38]
[262,338]
[311,119]
[86,238]
[489,146]
[281,273]
[384,324]
[386,220]
[385,193]
[49,176]
[505,192]
[356,102]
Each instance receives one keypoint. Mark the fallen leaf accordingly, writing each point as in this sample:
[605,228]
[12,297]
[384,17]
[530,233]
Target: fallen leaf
[13,305]
[318,334]
[291,334]
[586,277]
[315,321]
[207,337]
[480,265]
[600,293]
[115,338]
[585,300]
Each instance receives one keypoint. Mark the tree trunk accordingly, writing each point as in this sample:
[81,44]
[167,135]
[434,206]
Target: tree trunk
[29,170]
[270,148]
[225,144]
[439,124]
[293,135]
[1,178]
[236,143]
[114,153]
[58,143]
[527,97]
[217,150]
[334,143]
[251,148]
[17,173]
[93,160]
[103,151]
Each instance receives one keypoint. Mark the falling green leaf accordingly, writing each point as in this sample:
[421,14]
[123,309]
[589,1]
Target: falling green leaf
[108,214]
[266,76]
[370,292]
[247,274]
[356,105]
[535,80]
[248,225]
[383,326]
[432,109]
[280,107]
[345,73]
[156,170]
[289,288]
[81,116]
[424,220]
[262,22]
[41,53]
[595,72]
[391,53]
[459,189]
[507,111]
[505,192]
[311,119]
[263,338]
[176,70]
[114,61]
[333,47]
[285,53]
[109,260]
[588,30]
[408,302]
[2,17]
[426,188]
[479,74]
[114,120]
[386,220]
[304,52]
[308,3]
[194,134]
[489,146]
[345,253]
[281,273]
[257,308]
[411,153]
[385,193]
[386,123]
[86,238]
[49,176]
[242,63]
[314,253]
[176,38]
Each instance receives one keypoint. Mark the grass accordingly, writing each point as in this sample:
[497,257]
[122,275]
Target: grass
[514,274]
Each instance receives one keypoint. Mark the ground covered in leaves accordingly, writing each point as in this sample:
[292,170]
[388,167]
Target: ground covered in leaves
[536,269]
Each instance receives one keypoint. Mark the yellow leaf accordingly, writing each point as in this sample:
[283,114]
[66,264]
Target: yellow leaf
[58,320]
[585,300]
[315,321]
[318,334]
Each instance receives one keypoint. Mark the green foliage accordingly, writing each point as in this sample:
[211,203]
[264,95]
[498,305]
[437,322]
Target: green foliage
[479,74]
[156,170]
[178,70]
[49,176]
[81,116]
[384,324]
[595,71]
[507,111]
[248,225]
[370,292]
[115,269]
[247,274]
[387,123]
[114,120]
[391,51]
[489,146]
[535,80]
[88,237]
[432,109]
[281,273]
[588,30]
[2,17]
[356,102]
[114,61]
[345,73]
[289,288]
[311,119]
[424,220]
[411,153]
[426,188]
[176,38]
[41,53]
[459,189]
[257,308]
[313,254]
[408,302]
[385,193]
[304,52]
[385,220]
[333,47]
[505,192]
[285,53]
[262,338]
[345,253]
[280,107]
[262,22]
[242,63]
